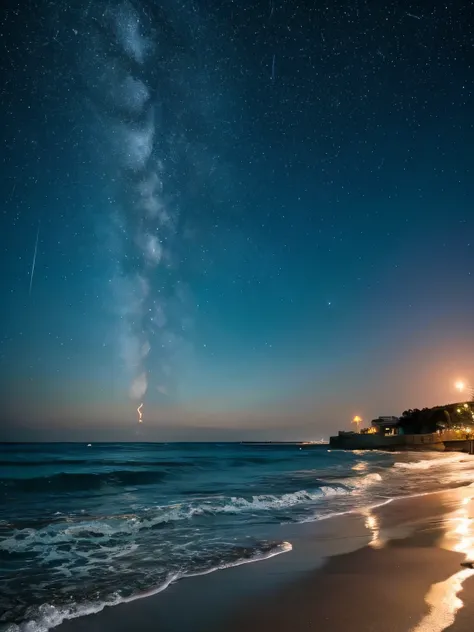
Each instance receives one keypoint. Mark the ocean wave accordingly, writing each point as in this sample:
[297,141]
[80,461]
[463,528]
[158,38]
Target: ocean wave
[345,512]
[260,502]
[358,483]
[95,461]
[371,453]
[48,616]
[84,481]
[102,528]
[42,541]
[270,501]
[426,464]
[416,465]
[157,463]
[368,479]
[257,460]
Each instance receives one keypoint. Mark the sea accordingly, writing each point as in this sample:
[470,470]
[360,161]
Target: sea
[83,526]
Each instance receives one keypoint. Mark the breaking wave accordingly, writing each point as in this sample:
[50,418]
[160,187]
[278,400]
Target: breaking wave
[361,482]
[426,464]
[101,529]
[48,616]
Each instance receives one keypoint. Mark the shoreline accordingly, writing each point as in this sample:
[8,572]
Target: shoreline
[400,529]
[413,582]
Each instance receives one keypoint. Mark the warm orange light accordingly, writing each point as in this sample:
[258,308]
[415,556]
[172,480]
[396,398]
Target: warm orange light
[460,386]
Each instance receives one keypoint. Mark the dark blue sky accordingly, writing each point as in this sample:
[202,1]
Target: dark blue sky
[256,218]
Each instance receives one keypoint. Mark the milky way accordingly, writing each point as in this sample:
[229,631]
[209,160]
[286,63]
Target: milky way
[115,67]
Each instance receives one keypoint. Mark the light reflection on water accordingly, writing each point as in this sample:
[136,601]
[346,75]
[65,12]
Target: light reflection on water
[361,466]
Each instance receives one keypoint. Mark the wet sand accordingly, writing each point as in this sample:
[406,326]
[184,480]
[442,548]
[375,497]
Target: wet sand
[395,568]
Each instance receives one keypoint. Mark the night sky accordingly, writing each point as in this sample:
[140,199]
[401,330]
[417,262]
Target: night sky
[254,217]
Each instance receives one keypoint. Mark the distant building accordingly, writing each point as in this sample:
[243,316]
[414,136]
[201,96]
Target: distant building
[385,425]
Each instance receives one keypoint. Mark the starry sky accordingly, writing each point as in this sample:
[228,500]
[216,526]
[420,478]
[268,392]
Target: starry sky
[254,217]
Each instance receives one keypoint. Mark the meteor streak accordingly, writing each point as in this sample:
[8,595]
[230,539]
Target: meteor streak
[140,415]
[34,259]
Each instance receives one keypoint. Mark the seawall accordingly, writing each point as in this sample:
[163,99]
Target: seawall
[435,441]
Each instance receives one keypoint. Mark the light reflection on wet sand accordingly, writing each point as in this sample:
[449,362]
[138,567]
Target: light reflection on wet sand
[372,523]
[443,598]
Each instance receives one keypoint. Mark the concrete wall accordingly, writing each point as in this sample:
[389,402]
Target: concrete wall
[423,441]
[449,441]
[379,442]
[457,446]
[364,442]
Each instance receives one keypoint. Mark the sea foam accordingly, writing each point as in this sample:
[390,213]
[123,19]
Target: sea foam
[426,464]
[48,616]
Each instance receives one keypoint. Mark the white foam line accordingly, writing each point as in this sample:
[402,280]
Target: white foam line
[346,513]
[376,505]
[425,464]
[56,616]
[438,491]
[381,504]
[284,547]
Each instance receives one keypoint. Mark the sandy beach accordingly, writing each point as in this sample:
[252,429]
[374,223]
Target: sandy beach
[393,568]
[406,579]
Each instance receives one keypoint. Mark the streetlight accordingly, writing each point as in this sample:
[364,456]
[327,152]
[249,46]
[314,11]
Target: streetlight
[357,420]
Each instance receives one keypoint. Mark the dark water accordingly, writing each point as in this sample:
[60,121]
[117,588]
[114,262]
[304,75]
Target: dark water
[83,525]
